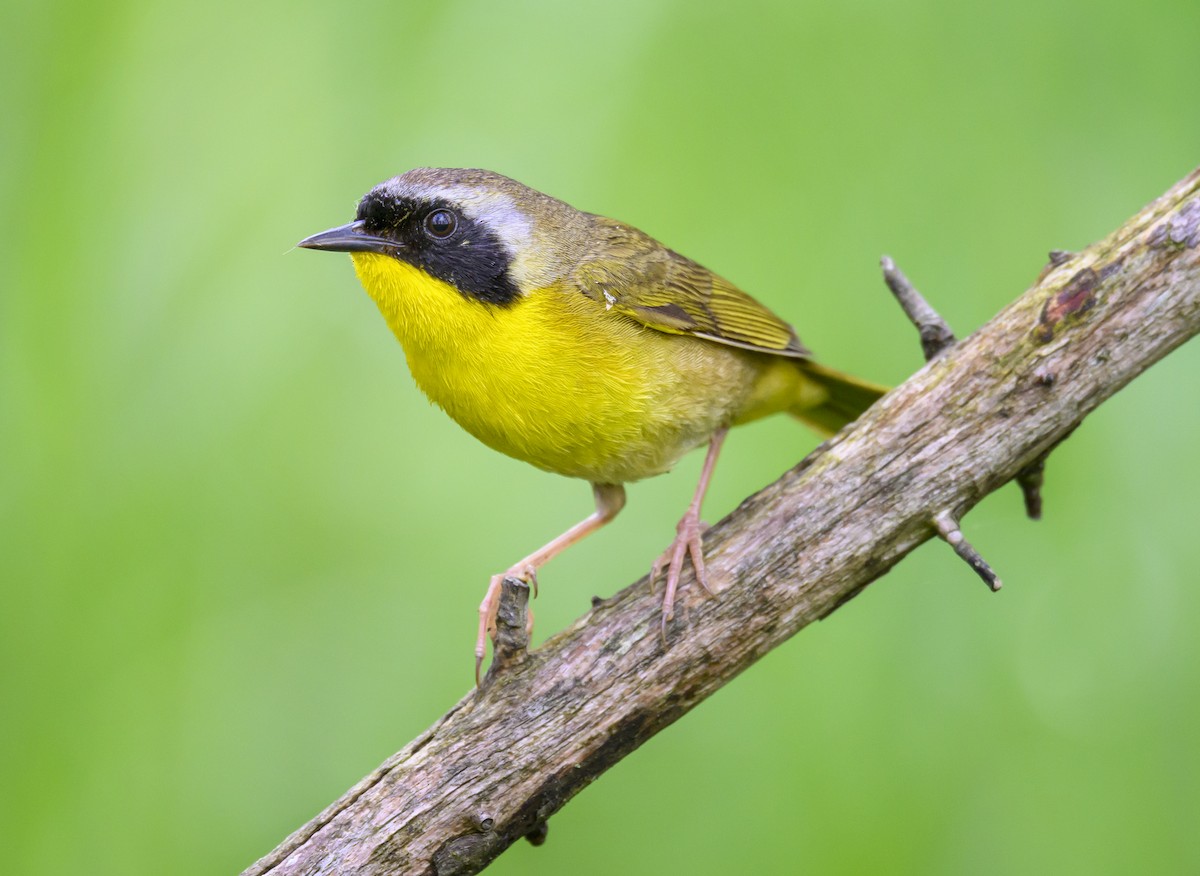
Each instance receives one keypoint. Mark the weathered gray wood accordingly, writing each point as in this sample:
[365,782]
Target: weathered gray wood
[549,722]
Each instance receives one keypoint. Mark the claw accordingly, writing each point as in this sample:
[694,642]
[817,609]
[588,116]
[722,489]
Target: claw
[487,621]
[687,545]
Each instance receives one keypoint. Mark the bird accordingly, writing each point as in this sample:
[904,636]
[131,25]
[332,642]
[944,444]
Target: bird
[577,343]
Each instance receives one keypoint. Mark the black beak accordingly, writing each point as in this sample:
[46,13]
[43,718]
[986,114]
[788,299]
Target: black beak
[350,238]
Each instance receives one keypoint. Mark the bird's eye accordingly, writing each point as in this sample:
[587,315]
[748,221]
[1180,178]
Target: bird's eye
[441,223]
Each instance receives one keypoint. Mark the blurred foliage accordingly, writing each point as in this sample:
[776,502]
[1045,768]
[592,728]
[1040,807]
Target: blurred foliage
[241,555]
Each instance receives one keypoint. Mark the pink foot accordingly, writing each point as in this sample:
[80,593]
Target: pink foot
[687,544]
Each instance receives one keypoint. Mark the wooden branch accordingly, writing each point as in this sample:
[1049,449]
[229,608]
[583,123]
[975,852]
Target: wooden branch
[548,722]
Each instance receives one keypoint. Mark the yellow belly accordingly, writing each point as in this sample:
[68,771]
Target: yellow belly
[560,382]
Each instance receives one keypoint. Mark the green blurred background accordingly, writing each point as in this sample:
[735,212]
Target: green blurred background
[241,554]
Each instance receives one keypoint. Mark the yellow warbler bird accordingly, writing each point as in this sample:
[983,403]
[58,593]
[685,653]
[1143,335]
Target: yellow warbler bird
[576,343]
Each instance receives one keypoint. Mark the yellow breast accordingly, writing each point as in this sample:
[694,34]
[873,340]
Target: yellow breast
[560,382]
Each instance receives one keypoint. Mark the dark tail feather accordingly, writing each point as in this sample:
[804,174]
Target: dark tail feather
[847,398]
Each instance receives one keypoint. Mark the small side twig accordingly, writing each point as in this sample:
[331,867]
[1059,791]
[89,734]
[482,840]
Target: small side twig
[936,336]
[947,528]
[1030,480]
[537,836]
[510,645]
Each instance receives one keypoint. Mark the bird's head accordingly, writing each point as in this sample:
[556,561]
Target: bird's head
[488,236]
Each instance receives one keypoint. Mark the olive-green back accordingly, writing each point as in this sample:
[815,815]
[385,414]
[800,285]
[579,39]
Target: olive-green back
[634,274]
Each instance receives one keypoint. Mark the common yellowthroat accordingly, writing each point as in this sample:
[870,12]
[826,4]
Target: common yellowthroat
[576,343]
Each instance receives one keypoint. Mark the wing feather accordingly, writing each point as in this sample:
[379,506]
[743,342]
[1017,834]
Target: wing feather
[636,276]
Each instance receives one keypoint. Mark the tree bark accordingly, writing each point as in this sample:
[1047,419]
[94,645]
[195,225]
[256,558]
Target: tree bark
[545,724]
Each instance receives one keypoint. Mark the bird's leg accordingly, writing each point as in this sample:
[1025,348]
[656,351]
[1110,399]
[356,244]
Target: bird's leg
[610,498]
[687,538]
